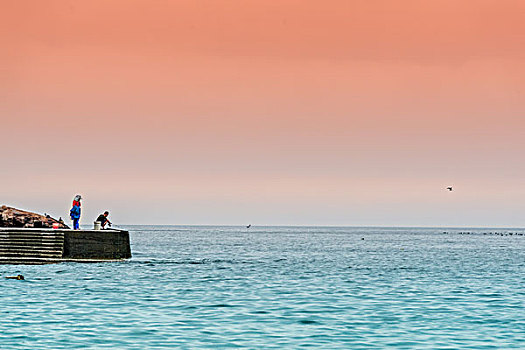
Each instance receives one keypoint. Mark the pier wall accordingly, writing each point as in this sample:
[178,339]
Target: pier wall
[34,246]
[102,244]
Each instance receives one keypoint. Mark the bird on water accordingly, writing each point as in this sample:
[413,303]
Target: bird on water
[17,277]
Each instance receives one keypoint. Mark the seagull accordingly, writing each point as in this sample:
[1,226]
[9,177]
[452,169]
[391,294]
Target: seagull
[449,188]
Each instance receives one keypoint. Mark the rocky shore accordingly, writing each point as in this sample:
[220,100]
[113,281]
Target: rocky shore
[12,217]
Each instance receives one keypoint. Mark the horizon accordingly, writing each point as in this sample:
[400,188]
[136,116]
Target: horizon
[335,226]
[252,225]
[335,113]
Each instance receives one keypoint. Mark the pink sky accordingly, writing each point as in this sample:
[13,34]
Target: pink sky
[283,112]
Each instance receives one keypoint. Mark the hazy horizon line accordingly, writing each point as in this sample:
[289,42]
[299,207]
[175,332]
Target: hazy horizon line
[330,226]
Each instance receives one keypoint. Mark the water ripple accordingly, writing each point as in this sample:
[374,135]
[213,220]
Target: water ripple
[275,288]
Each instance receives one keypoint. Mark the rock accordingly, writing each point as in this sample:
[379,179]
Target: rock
[11,217]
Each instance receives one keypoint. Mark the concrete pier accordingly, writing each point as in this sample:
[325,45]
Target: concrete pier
[47,246]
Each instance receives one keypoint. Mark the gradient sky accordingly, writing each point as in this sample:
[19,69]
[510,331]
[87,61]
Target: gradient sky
[290,112]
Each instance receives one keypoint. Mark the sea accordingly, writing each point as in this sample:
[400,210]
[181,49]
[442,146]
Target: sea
[211,287]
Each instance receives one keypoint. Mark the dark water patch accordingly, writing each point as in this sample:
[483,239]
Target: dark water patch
[192,262]
[384,268]
[219,306]
[221,261]
[365,268]
[308,322]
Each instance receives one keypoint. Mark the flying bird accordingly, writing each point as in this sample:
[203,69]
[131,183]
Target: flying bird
[449,188]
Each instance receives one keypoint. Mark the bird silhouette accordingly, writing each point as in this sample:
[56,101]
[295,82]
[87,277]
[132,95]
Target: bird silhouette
[449,188]
[250,225]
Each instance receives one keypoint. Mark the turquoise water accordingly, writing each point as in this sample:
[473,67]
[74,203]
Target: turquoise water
[278,287]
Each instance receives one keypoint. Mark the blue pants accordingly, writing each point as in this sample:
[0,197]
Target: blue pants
[76,226]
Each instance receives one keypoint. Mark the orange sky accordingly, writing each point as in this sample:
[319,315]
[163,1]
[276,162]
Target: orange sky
[284,112]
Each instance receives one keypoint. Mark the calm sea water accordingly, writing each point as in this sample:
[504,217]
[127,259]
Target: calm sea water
[277,287]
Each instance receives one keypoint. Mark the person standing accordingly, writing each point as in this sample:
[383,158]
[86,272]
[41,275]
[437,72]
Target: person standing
[75,212]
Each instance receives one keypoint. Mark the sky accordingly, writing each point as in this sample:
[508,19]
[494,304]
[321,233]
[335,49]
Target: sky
[289,112]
